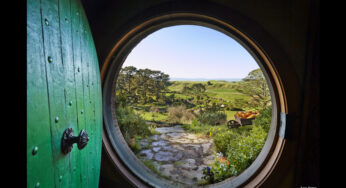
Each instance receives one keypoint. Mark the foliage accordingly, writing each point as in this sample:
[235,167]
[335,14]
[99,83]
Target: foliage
[179,114]
[197,89]
[240,146]
[197,104]
[152,166]
[222,140]
[141,85]
[243,150]
[264,119]
[212,118]
[208,176]
[131,124]
[255,85]
[154,116]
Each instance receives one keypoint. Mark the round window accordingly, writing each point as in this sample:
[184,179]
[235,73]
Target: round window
[189,119]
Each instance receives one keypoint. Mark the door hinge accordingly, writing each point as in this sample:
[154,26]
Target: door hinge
[286,126]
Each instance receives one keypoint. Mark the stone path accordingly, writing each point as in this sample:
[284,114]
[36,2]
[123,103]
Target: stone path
[178,155]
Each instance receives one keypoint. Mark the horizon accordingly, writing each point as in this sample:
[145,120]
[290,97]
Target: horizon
[205,79]
[190,52]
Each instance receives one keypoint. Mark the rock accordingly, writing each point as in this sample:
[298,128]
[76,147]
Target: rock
[187,164]
[156,149]
[155,137]
[159,143]
[208,159]
[164,130]
[143,143]
[146,154]
[206,147]
[179,156]
[163,156]
[190,154]
[169,148]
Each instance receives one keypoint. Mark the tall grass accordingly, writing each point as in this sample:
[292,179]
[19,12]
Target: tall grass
[180,115]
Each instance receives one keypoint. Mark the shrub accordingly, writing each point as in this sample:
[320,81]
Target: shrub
[179,114]
[189,115]
[212,118]
[241,147]
[131,124]
[264,119]
[154,109]
[222,140]
[243,151]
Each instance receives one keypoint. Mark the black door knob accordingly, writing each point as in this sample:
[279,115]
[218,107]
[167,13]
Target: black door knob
[68,140]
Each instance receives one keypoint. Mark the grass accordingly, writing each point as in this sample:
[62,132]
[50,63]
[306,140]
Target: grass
[226,94]
[222,90]
[230,115]
[154,116]
[151,165]
[219,92]
[209,130]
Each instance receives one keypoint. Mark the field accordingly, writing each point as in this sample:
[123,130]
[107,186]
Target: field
[219,92]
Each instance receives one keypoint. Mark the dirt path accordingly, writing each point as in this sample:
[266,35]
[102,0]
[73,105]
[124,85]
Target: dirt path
[178,155]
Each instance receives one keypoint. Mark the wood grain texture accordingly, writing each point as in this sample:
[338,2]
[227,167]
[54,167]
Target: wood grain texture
[63,91]
[38,127]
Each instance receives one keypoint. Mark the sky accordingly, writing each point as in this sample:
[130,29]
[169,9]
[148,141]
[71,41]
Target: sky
[188,51]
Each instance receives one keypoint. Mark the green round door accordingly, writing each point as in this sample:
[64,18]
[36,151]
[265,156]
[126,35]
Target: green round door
[63,91]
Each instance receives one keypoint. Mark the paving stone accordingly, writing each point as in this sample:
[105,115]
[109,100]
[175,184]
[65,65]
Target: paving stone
[147,154]
[178,155]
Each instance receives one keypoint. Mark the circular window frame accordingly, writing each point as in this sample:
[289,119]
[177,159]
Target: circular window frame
[127,163]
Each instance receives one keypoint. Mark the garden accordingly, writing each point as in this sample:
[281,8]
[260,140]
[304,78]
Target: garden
[181,127]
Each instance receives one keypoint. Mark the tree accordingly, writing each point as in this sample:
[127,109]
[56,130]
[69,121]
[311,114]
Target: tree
[125,86]
[141,85]
[256,86]
[197,90]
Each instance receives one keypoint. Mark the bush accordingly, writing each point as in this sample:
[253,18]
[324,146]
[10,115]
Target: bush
[212,118]
[240,147]
[131,124]
[243,151]
[154,109]
[222,140]
[179,114]
[264,119]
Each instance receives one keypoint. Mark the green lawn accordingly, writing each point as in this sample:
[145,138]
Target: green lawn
[218,89]
[154,116]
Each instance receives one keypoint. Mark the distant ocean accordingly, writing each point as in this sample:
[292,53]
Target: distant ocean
[205,79]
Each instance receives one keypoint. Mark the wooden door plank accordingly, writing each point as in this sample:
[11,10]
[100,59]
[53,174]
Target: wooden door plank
[64,90]
[91,125]
[98,123]
[56,88]
[38,123]
[77,58]
[86,162]
[97,96]
[70,87]
[87,155]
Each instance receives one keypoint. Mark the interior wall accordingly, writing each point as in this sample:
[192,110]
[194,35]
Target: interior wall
[294,28]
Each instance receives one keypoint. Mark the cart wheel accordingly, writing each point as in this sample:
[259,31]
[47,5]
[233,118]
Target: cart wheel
[232,124]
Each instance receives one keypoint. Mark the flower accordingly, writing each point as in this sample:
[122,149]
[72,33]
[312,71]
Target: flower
[222,159]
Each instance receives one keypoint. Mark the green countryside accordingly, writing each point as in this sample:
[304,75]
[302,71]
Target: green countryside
[147,101]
